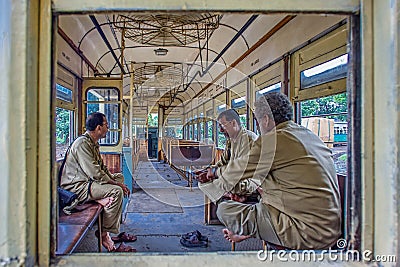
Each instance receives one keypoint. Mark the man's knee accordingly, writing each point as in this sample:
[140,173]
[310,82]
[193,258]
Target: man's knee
[221,210]
[117,192]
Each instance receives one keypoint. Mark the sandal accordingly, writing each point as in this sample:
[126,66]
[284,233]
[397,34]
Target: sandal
[123,248]
[197,234]
[124,237]
[193,241]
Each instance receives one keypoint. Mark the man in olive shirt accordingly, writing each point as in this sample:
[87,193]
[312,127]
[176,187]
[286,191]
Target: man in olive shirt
[238,143]
[300,205]
[85,174]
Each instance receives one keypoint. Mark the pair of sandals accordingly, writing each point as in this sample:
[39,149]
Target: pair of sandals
[121,238]
[123,248]
[194,239]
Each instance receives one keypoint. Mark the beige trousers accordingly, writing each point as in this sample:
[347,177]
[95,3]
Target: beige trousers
[112,214]
[248,219]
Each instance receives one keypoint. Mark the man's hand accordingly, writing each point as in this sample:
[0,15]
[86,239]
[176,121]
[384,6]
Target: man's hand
[125,189]
[202,177]
[211,173]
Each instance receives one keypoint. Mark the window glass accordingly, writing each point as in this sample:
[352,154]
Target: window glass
[243,120]
[221,108]
[331,70]
[272,88]
[201,126]
[153,120]
[173,128]
[64,131]
[195,132]
[190,128]
[106,101]
[63,93]
[239,102]
[221,139]
[179,131]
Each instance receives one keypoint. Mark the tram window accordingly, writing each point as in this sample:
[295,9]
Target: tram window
[173,128]
[331,70]
[195,132]
[169,132]
[190,134]
[221,140]
[209,133]
[153,120]
[140,132]
[64,93]
[209,125]
[201,126]
[272,88]
[239,102]
[327,118]
[179,131]
[243,120]
[106,100]
[221,108]
[64,131]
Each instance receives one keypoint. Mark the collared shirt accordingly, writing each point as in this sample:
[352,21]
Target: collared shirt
[238,147]
[83,163]
[299,185]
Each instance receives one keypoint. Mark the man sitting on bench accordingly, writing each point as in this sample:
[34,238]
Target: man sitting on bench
[85,174]
[238,143]
[300,205]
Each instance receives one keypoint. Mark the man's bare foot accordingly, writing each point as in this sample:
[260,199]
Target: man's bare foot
[107,242]
[231,237]
[105,202]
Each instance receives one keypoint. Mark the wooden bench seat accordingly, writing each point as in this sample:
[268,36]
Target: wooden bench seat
[72,228]
[184,157]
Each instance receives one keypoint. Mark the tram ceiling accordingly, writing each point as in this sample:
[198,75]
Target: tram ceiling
[169,55]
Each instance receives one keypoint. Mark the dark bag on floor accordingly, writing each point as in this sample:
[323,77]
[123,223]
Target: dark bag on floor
[65,197]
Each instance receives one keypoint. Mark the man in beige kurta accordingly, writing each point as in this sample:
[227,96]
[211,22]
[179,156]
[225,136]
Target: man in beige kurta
[239,141]
[85,174]
[300,205]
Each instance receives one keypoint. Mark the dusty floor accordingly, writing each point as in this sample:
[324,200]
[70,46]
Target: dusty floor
[161,209]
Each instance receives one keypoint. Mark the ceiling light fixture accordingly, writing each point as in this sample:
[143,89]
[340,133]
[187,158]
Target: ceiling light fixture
[161,51]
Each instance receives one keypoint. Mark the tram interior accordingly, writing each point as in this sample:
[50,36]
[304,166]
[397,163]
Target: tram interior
[164,77]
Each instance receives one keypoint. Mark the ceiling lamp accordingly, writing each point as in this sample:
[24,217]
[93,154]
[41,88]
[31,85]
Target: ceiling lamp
[161,51]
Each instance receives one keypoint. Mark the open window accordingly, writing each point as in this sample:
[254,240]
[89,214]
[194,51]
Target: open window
[320,94]
[220,106]
[268,80]
[65,111]
[239,101]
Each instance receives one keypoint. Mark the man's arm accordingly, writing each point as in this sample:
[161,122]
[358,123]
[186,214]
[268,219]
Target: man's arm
[96,170]
[124,187]
[256,164]
[89,165]
[225,156]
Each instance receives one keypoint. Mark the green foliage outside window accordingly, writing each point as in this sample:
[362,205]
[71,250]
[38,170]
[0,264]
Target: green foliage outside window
[63,125]
[326,105]
[153,120]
